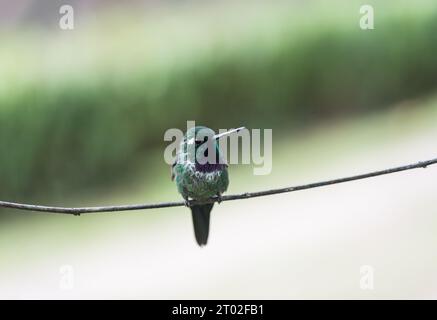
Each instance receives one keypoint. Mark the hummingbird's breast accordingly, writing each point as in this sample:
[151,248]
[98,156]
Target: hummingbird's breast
[202,181]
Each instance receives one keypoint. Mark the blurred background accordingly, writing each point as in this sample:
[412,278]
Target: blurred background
[83,114]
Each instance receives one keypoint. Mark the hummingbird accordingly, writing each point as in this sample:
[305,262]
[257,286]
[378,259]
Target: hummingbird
[201,173]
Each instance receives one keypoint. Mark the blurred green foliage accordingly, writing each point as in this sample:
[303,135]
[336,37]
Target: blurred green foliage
[78,109]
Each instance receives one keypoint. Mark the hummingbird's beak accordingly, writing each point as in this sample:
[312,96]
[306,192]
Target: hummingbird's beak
[218,136]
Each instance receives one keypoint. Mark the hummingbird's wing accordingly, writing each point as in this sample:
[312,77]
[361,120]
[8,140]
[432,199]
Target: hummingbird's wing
[172,171]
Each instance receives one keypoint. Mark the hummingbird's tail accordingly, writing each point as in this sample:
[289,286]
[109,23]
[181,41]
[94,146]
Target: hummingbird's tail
[201,214]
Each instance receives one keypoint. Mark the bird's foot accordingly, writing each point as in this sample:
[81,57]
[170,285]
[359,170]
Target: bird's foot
[188,203]
[219,198]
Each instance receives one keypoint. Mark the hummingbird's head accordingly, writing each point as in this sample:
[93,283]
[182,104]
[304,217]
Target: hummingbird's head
[201,144]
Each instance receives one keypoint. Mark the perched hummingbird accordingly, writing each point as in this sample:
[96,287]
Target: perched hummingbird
[201,173]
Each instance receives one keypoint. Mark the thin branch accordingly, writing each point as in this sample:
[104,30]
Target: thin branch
[247,195]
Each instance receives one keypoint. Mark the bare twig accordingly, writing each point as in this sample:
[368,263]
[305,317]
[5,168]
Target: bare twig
[247,195]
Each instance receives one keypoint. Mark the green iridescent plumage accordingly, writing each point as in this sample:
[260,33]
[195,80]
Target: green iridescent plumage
[200,173]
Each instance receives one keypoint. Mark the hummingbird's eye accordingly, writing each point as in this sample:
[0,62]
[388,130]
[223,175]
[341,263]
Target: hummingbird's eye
[200,142]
